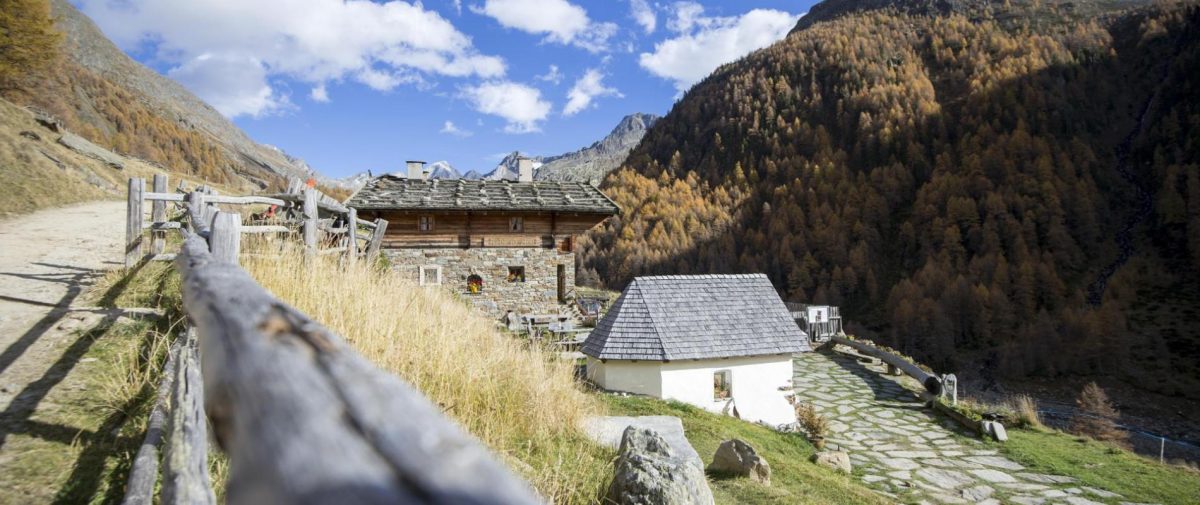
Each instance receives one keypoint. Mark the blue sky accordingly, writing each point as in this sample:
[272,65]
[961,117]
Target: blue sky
[358,85]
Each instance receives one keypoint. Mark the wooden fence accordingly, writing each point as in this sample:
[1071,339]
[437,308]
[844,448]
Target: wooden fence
[319,219]
[302,417]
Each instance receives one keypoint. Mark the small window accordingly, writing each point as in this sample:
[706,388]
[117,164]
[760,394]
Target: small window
[516,224]
[474,284]
[425,223]
[516,274]
[431,275]
[722,385]
[566,245]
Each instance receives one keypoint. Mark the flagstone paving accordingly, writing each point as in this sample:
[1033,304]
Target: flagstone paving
[901,448]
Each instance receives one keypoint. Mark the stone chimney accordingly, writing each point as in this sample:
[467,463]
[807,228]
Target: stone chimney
[524,169]
[416,170]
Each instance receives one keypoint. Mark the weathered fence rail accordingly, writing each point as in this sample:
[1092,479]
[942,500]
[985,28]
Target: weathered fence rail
[301,415]
[319,219]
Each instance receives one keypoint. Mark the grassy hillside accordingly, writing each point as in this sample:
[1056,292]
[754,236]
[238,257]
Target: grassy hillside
[793,478]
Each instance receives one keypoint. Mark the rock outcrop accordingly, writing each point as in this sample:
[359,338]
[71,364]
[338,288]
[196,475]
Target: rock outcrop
[592,163]
[649,472]
[739,458]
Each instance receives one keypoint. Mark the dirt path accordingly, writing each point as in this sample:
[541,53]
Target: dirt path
[46,261]
[899,447]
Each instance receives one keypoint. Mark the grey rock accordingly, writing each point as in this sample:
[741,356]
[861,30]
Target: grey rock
[945,479]
[739,458]
[592,163]
[649,472]
[86,148]
[608,431]
[30,135]
[837,460]
[977,493]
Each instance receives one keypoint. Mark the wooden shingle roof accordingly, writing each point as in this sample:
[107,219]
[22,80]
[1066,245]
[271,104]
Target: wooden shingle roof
[397,193]
[676,317]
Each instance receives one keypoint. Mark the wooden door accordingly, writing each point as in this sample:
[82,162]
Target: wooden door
[562,283]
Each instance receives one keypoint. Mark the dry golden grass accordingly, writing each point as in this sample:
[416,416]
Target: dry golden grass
[523,403]
[1025,411]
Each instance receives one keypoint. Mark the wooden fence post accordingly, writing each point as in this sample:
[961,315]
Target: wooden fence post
[310,221]
[376,240]
[133,221]
[352,234]
[225,237]
[196,211]
[158,214]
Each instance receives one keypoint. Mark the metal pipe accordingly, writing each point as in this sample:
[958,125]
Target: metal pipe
[930,381]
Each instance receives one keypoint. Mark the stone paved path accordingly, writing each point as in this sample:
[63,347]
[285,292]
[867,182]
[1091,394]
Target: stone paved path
[899,447]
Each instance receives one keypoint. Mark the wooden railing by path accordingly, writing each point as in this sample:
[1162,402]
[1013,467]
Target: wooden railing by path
[319,219]
[302,417]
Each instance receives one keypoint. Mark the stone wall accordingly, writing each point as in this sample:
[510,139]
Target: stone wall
[537,295]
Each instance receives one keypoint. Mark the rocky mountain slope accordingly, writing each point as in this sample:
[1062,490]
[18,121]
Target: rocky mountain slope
[594,162]
[119,104]
[1011,189]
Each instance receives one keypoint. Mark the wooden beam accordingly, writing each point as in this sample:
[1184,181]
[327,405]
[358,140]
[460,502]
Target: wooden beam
[139,487]
[352,236]
[376,239]
[163,196]
[306,419]
[310,220]
[185,467]
[225,240]
[273,228]
[931,382]
[134,216]
[158,214]
[163,226]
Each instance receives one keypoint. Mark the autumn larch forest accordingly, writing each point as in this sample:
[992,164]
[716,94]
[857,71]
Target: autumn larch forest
[1009,186]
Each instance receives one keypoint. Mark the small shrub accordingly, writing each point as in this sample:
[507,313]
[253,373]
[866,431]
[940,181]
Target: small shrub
[1096,417]
[813,423]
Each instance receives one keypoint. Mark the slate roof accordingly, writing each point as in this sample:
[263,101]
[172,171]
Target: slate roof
[397,193]
[676,317]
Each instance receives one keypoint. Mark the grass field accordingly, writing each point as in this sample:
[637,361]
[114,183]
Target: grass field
[1103,466]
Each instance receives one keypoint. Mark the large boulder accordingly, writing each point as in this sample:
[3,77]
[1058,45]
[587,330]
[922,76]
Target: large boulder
[739,458]
[608,431]
[837,460]
[649,472]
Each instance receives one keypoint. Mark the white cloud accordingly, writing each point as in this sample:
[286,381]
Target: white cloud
[450,129]
[589,86]
[552,75]
[313,41]
[238,85]
[560,21]
[319,93]
[643,14]
[687,15]
[457,6]
[705,43]
[520,105]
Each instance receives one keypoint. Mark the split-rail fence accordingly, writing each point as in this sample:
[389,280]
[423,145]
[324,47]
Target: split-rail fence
[302,417]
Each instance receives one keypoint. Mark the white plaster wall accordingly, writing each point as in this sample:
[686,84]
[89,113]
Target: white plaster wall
[641,377]
[756,382]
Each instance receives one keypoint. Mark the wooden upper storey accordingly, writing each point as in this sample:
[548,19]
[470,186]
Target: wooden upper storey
[449,213]
[483,229]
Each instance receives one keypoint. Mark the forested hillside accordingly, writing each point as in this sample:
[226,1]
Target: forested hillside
[958,179]
[54,59]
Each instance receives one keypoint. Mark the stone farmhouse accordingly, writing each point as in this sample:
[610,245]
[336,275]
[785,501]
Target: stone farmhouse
[723,343]
[506,245]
